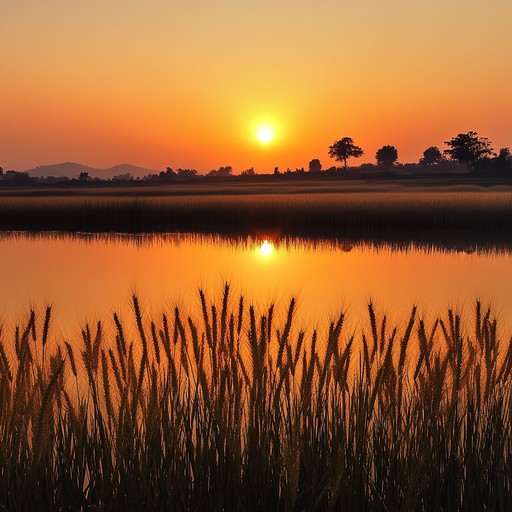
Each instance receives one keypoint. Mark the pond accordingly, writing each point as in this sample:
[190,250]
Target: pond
[87,277]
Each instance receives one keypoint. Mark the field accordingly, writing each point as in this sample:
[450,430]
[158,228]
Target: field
[251,412]
[239,407]
[454,216]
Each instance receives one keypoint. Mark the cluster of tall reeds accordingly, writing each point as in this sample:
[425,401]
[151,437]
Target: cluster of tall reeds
[439,219]
[239,411]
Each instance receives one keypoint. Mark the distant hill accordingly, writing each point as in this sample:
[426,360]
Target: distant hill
[73,170]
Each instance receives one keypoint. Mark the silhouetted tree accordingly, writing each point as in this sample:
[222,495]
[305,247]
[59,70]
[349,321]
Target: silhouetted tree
[18,177]
[386,156]
[221,171]
[249,172]
[502,162]
[276,170]
[84,176]
[343,149]
[503,156]
[123,177]
[186,174]
[432,156]
[468,148]
[315,165]
[1,171]
[167,175]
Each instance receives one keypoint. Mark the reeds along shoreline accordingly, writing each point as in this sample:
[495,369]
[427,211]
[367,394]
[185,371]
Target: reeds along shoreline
[245,412]
[443,220]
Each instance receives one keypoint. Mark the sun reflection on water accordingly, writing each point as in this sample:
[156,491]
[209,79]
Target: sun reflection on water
[266,248]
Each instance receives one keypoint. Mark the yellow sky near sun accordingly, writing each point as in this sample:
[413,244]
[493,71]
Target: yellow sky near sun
[188,84]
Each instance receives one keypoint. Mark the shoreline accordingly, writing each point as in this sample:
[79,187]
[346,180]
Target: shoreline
[465,218]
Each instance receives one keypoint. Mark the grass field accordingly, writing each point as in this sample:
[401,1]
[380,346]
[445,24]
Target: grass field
[262,185]
[242,411]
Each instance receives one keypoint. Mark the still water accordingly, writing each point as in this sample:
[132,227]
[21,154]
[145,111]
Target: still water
[87,277]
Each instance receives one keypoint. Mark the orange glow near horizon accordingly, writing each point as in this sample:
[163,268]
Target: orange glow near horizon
[178,85]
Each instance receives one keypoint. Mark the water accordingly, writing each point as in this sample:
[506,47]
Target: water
[86,278]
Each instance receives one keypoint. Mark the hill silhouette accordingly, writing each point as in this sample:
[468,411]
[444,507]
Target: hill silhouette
[73,170]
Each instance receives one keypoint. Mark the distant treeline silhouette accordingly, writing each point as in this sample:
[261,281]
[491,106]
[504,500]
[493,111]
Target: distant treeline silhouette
[467,153]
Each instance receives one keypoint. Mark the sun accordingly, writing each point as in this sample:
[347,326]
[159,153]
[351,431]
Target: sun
[265,134]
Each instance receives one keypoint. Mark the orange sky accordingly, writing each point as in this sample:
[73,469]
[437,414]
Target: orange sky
[187,83]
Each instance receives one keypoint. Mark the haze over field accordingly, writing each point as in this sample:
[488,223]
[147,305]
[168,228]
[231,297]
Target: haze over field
[203,84]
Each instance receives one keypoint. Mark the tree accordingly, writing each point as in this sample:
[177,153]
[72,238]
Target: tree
[19,177]
[227,170]
[502,162]
[315,165]
[343,149]
[432,156]
[468,148]
[123,177]
[221,171]
[503,156]
[386,156]
[84,176]
[186,174]
[168,175]
[249,172]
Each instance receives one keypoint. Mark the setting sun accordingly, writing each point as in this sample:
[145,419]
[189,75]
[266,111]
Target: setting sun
[265,134]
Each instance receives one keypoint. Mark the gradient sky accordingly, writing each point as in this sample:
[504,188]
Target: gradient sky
[186,83]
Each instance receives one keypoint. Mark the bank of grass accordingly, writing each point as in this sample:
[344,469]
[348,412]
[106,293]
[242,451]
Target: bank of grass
[239,411]
[442,218]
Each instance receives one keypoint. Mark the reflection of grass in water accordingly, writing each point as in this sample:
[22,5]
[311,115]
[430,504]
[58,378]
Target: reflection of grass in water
[451,220]
[253,242]
[241,412]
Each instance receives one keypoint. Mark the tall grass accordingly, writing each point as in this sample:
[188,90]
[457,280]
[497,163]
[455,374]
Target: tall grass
[441,218]
[236,410]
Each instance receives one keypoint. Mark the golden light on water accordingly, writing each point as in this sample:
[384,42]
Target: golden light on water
[266,248]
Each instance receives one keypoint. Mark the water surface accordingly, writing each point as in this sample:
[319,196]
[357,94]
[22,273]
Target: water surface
[87,277]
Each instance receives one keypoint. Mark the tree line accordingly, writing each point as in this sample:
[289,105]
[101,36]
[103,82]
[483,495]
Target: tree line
[466,150]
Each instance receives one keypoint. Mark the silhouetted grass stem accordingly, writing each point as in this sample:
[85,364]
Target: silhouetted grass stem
[246,412]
